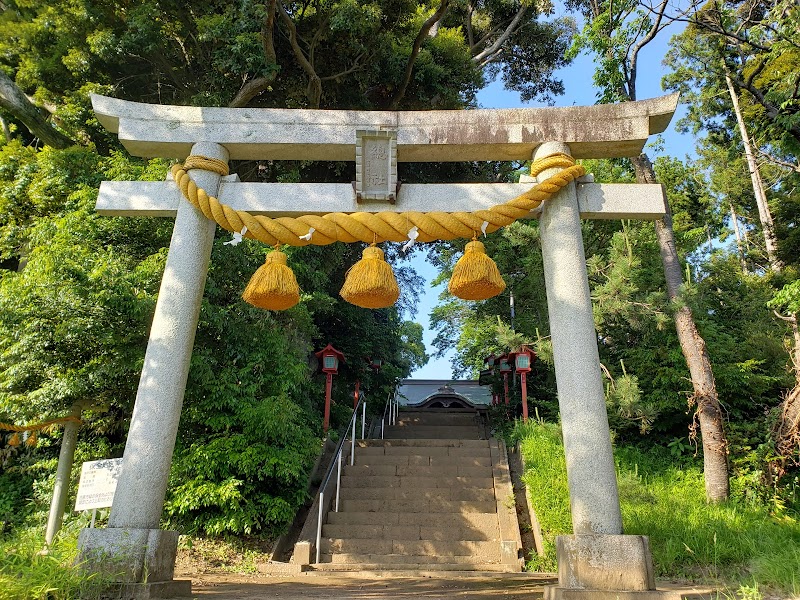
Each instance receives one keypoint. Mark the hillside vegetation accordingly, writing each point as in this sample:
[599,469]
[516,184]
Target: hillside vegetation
[744,546]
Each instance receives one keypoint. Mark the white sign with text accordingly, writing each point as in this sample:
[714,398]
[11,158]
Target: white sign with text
[98,483]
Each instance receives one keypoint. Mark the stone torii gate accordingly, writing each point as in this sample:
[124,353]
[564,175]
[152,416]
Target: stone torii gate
[597,559]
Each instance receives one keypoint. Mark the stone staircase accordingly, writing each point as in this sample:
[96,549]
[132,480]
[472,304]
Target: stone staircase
[434,495]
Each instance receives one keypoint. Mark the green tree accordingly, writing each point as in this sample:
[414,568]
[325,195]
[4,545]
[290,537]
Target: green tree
[77,290]
[616,33]
[734,61]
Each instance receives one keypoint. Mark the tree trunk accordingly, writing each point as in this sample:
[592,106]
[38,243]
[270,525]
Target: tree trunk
[16,102]
[738,233]
[764,214]
[6,129]
[709,412]
[787,434]
[796,349]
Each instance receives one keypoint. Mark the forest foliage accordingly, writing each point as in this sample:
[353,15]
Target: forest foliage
[77,290]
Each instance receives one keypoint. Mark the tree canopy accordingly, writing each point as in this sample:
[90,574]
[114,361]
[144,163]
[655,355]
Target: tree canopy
[77,290]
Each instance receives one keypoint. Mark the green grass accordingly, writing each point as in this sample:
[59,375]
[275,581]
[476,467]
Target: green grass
[546,479]
[736,545]
[26,574]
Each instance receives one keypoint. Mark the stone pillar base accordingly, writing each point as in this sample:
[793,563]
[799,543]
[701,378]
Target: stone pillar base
[177,588]
[596,567]
[555,592]
[141,560]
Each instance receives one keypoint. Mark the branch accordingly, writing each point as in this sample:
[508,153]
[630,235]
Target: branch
[468,25]
[254,87]
[356,66]
[789,319]
[423,33]
[312,45]
[760,65]
[493,58]
[486,36]
[314,90]
[716,27]
[780,162]
[250,90]
[607,373]
[773,112]
[16,102]
[503,36]
[638,47]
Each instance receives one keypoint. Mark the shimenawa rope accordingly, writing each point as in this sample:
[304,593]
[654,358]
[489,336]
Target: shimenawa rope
[367,226]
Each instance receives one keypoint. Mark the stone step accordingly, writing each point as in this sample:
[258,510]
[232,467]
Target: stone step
[416,483]
[417,471]
[476,520]
[420,505]
[415,460]
[381,493]
[436,418]
[395,567]
[428,432]
[423,451]
[429,443]
[477,551]
[410,532]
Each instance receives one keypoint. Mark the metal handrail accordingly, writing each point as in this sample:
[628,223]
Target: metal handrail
[385,414]
[337,460]
[389,412]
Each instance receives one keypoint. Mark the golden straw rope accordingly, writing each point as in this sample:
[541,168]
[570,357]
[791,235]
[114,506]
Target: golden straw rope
[372,227]
[10,427]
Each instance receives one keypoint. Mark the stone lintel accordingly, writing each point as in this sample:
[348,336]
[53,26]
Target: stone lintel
[160,199]
[599,131]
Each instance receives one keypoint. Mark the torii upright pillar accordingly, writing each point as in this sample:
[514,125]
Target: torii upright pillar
[597,561]
[594,500]
[145,554]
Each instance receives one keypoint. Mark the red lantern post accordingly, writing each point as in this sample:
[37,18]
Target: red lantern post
[329,358]
[522,363]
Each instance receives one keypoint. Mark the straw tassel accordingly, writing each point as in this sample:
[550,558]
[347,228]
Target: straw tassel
[475,276]
[370,283]
[14,440]
[273,286]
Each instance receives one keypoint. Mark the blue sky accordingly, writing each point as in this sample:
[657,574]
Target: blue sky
[579,90]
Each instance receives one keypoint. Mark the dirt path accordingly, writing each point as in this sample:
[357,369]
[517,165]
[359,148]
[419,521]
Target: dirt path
[347,587]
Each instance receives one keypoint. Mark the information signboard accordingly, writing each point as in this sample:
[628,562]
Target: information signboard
[98,483]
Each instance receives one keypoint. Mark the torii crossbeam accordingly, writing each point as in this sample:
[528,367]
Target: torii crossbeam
[376,141]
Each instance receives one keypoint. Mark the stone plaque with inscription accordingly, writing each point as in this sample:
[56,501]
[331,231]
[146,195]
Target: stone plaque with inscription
[376,165]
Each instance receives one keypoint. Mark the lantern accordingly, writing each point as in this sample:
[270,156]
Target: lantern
[522,362]
[504,366]
[329,358]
